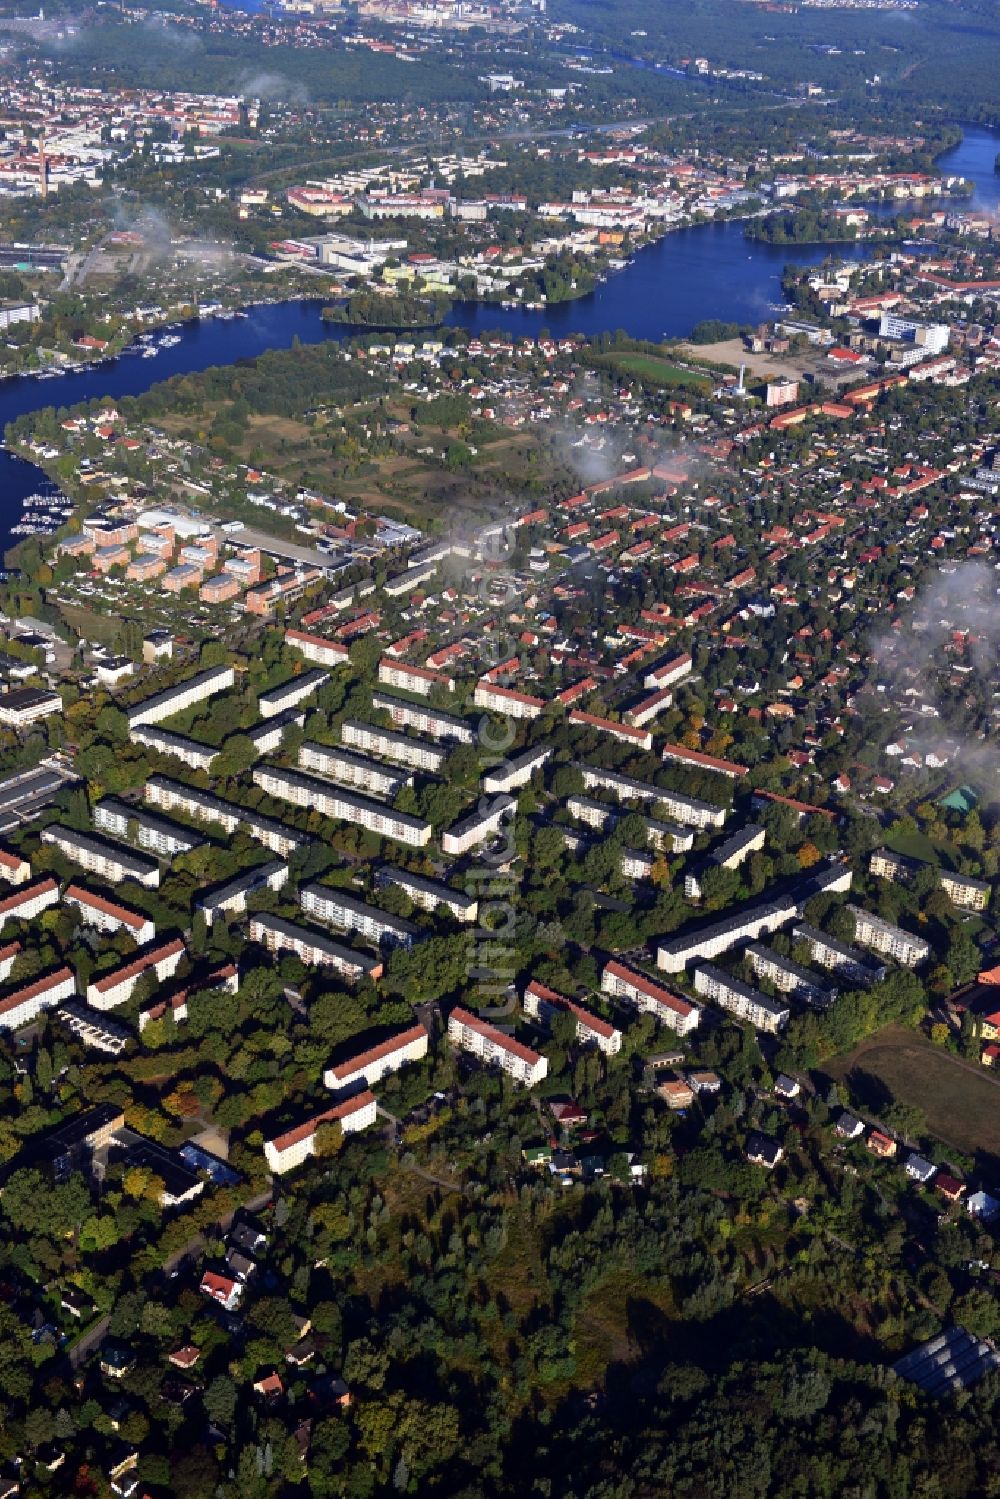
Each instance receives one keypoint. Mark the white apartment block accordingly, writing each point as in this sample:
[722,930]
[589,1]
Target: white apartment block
[166,839]
[107,916]
[648,998]
[109,860]
[313,949]
[469,1033]
[400,748]
[479,826]
[9,952]
[544,1004]
[417,679]
[29,901]
[429,895]
[88,1027]
[507,702]
[338,764]
[267,736]
[232,897]
[430,721]
[116,988]
[315,648]
[649,708]
[196,689]
[286,1151]
[172,796]
[740,999]
[512,774]
[789,978]
[291,693]
[191,752]
[343,806]
[355,916]
[14,868]
[686,809]
[637,738]
[667,673]
[24,1003]
[837,956]
[883,937]
[966,893]
[604,817]
[377,1062]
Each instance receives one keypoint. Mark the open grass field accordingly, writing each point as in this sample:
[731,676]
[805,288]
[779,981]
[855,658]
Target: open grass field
[654,371]
[919,846]
[960,1102]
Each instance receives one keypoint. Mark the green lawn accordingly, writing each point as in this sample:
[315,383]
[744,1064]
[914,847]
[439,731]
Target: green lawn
[654,371]
[961,1104]
[919,846]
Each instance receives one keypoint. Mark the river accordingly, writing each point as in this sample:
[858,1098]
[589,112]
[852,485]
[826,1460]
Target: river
[709,271]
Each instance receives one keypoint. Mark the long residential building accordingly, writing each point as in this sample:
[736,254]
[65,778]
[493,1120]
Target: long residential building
[268,735]
[232,897]
[470,1033]
[666,673]
[847,962]
[191,752]
[750,922]
[29,901]
[638,738]
[341,805]
[14,868]
[205,807]
[740,999]
[292,1147]
[348,769]
[649,998]
[505,701]
[334,907]
[430,721]
[204,684]
[429,895]
[790,978]
[291,693]
[478,827]
[883,937]
[93,1029]
[417,679]
[544,1004]
[158,834]
[28,1000]
[686,809]
[510,775]
[111,861]
[667,836]
[371,1065]
[316,648]
[386,743]
[115,988]
[313,948]
[108,915]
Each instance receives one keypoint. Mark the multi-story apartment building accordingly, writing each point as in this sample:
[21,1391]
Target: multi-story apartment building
[506,701]
[740,999]
[116,988]
[29,901]
[111,861]
[176,1003]
[469,1033]
[430,895]
[204,684]
[266,737]
[9,953]
[316,648]
[604,817]
[429,721]
[191,752]
[232,897]
[637,738]
[343,806]
[544,1004]
[730,854]
[685,809]
[294,1146]
[963,891]
[107,915]
[171,795]
[510,775]
[882,937]
[750,922]
[28,1000]
[291,693]
[849,964]
[667,673]
[399,748]
[371,776]
[648,998]
[420,680]
[478,827]
[884,864]
[14,868]
[313,949]
[376,1062]
[92,1029]
[649,708]
[790,978]
[357,917]
[160,836]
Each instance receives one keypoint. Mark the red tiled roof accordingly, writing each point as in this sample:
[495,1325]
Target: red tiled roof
[37,986]
[376,1053]
[339,1111]
[88,898]
[465,1017]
